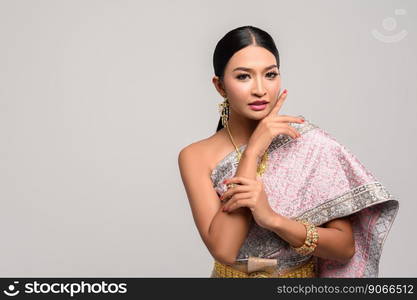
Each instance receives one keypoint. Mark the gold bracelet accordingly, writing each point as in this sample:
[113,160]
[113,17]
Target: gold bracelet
[311,240]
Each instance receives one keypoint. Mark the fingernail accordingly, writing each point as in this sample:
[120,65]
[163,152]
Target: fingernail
[285,91]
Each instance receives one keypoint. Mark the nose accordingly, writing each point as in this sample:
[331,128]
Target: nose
[258,88]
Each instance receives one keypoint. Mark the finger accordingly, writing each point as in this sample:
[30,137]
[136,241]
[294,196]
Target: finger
[279,103]
[286,130]
[237,197]
[238,179]
[297,134]
[287,119]
[241,203]
[237,189]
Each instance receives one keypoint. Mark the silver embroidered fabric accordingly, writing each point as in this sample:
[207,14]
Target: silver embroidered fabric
[318,179]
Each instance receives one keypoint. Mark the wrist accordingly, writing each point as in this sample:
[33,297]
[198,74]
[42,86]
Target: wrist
[250,152]
[275,222]
[247,165]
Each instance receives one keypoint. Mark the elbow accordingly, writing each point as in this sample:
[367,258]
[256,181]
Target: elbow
[348,255]
[226,260]
[352,250]
[224,257]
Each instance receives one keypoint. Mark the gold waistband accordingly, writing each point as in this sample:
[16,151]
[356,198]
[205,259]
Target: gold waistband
[306,270]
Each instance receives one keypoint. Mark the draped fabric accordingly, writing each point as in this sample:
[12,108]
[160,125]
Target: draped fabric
[317,179]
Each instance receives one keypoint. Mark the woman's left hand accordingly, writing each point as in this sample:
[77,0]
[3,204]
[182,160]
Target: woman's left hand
[249,193]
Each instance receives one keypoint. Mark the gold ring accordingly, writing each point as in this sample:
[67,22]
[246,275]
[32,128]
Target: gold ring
[231,185]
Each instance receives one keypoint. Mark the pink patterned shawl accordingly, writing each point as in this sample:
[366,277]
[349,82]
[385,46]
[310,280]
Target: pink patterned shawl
[316,178]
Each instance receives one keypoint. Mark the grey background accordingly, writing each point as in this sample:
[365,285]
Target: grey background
[97,98]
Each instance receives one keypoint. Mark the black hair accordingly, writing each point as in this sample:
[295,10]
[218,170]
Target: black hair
[235,40]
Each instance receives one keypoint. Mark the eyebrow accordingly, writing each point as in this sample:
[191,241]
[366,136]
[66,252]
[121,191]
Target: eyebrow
[249,69]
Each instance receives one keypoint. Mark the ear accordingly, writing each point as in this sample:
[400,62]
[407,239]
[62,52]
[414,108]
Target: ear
[218,84]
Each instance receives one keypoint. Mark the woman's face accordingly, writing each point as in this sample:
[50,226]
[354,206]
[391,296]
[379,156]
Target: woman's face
[250,75]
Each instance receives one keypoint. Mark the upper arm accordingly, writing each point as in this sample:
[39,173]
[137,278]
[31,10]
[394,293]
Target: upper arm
[202,197]
[344,225]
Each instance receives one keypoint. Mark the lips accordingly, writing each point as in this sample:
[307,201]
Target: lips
[258,102]
[258,105]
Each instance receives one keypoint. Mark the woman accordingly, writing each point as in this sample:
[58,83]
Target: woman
[275,195]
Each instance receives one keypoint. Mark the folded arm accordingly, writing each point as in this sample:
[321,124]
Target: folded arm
[335,237]
[222,233]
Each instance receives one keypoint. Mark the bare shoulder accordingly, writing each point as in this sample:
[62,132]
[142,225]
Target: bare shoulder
[194,163]
[203,152]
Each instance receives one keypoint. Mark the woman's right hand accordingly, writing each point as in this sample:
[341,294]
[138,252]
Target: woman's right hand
[270,126]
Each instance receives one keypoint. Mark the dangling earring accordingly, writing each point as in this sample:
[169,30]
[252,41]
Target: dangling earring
[224,111]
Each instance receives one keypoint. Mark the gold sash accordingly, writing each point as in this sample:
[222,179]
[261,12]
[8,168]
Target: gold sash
[263,268]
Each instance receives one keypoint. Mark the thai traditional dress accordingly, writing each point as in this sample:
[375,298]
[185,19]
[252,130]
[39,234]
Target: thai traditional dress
[317,179]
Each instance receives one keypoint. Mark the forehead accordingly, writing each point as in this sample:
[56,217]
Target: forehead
[253,57]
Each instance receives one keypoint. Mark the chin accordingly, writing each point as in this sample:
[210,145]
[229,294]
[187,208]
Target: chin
[259,113]
[257,116]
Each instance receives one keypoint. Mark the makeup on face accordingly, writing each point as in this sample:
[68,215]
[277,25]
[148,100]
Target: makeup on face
[258,105]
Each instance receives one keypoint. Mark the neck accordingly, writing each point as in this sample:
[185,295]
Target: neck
[241,128]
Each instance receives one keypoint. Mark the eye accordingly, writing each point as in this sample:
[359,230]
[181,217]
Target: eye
[269,75]
[240,76]
[275,74]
